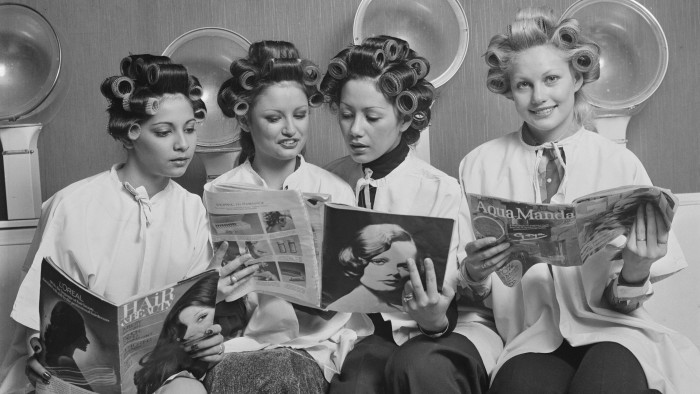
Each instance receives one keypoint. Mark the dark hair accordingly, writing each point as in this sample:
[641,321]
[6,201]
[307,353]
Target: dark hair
[268,63]
[66,326]
[367,243]
[536,27]
[134,96]
[169,356]
[399,74]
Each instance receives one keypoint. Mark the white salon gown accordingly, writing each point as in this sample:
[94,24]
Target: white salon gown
[536,314]
[114,243]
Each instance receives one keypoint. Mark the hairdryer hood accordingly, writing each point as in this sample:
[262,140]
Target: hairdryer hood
[30,63]
[436,29]
[208,53]
[634,52]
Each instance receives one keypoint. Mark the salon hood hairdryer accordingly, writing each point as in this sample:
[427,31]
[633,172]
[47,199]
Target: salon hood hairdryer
[436,29]
[33,81]
[208,53]
[633,60]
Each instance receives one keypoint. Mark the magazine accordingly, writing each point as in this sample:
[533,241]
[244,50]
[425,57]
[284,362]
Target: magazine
[320,254]
[92,345]
[562,234]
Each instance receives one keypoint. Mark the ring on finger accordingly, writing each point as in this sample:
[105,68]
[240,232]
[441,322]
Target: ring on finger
[233,279]
[221,349]
[641,239]
[407,297]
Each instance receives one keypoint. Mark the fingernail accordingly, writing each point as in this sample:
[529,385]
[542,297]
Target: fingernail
[46,376]
[36,348]
[194,348]
[209,331]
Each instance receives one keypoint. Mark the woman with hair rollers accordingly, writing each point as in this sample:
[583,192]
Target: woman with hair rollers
[130,229]
[569,329]
[382,99]
[271,93]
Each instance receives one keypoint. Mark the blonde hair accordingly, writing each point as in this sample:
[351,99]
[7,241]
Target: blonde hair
[537,27]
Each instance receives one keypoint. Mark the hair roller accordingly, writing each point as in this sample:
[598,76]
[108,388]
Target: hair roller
[338,68]
[496,82]
[240,108]
[391,84]
[407,102]
[152,106]
[195,90]
[200,114]
[378,59]
[312,75]
[126,103]
[421,66]
[125,65]
[584,60]
[568,36]
[391,49]
[419,120]
[316,99]
[248,79]
[117,87]
[402,50]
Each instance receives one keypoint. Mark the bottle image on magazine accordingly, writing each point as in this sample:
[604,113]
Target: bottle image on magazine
[93,345]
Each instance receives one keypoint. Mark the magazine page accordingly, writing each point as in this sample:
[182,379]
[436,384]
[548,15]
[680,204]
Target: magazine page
[151,327]
[58,386]
[538,233]
[606,215]
[79,334]
[274,227]
[365,256]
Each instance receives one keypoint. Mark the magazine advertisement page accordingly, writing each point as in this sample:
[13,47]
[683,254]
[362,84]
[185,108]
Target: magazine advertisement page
[79,334]
[92,345]
[365,256]
[604,216]
[538,233]
[566,234]
[275,228]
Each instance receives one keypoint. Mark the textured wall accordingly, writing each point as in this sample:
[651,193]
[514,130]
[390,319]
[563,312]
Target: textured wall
[99,33]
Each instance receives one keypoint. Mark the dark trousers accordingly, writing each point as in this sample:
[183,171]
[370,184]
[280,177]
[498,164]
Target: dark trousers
[450,364]
[605,367]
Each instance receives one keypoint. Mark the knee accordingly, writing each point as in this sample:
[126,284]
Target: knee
[426,357]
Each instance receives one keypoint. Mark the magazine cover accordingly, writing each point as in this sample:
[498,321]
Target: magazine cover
[566,234]
[93,345]
[365,256]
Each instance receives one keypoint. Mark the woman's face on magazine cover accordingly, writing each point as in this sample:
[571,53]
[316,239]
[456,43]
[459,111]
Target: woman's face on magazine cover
[388,271]
[543,87]
[197,319]
[164,144]
[279,122]
[370,124]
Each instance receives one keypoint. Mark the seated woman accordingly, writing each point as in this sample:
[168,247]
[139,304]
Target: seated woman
[570,329]
[383,102]
[271,93]
[130,229]
[377,263]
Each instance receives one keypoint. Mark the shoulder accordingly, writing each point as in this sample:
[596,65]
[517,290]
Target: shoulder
[188,199]
[418,167]
[330,183]
[325,176]
[601,146]
[233,175]
[493,150]
[83,191]
[345,168]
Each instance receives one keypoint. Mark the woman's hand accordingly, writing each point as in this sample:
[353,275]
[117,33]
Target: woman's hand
[646,243]
[232,274]
[209,347]
[484,258]
[34,370]
[427,307]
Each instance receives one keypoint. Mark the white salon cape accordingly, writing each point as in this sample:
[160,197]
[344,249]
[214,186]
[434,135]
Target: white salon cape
[415,187]
[539,312]
[274,322]
[116,244]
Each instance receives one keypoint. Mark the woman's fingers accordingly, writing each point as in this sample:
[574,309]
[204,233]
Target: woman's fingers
[662,229]
[234,264]
[416,283]
[475,246]
[36,372]
[218,259]
[430,279]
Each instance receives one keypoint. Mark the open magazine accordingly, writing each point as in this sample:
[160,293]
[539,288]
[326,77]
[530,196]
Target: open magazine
[562,234]
[323,255]
[93,345]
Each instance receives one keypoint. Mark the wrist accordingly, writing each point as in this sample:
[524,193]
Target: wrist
[634,277]
[432,328]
